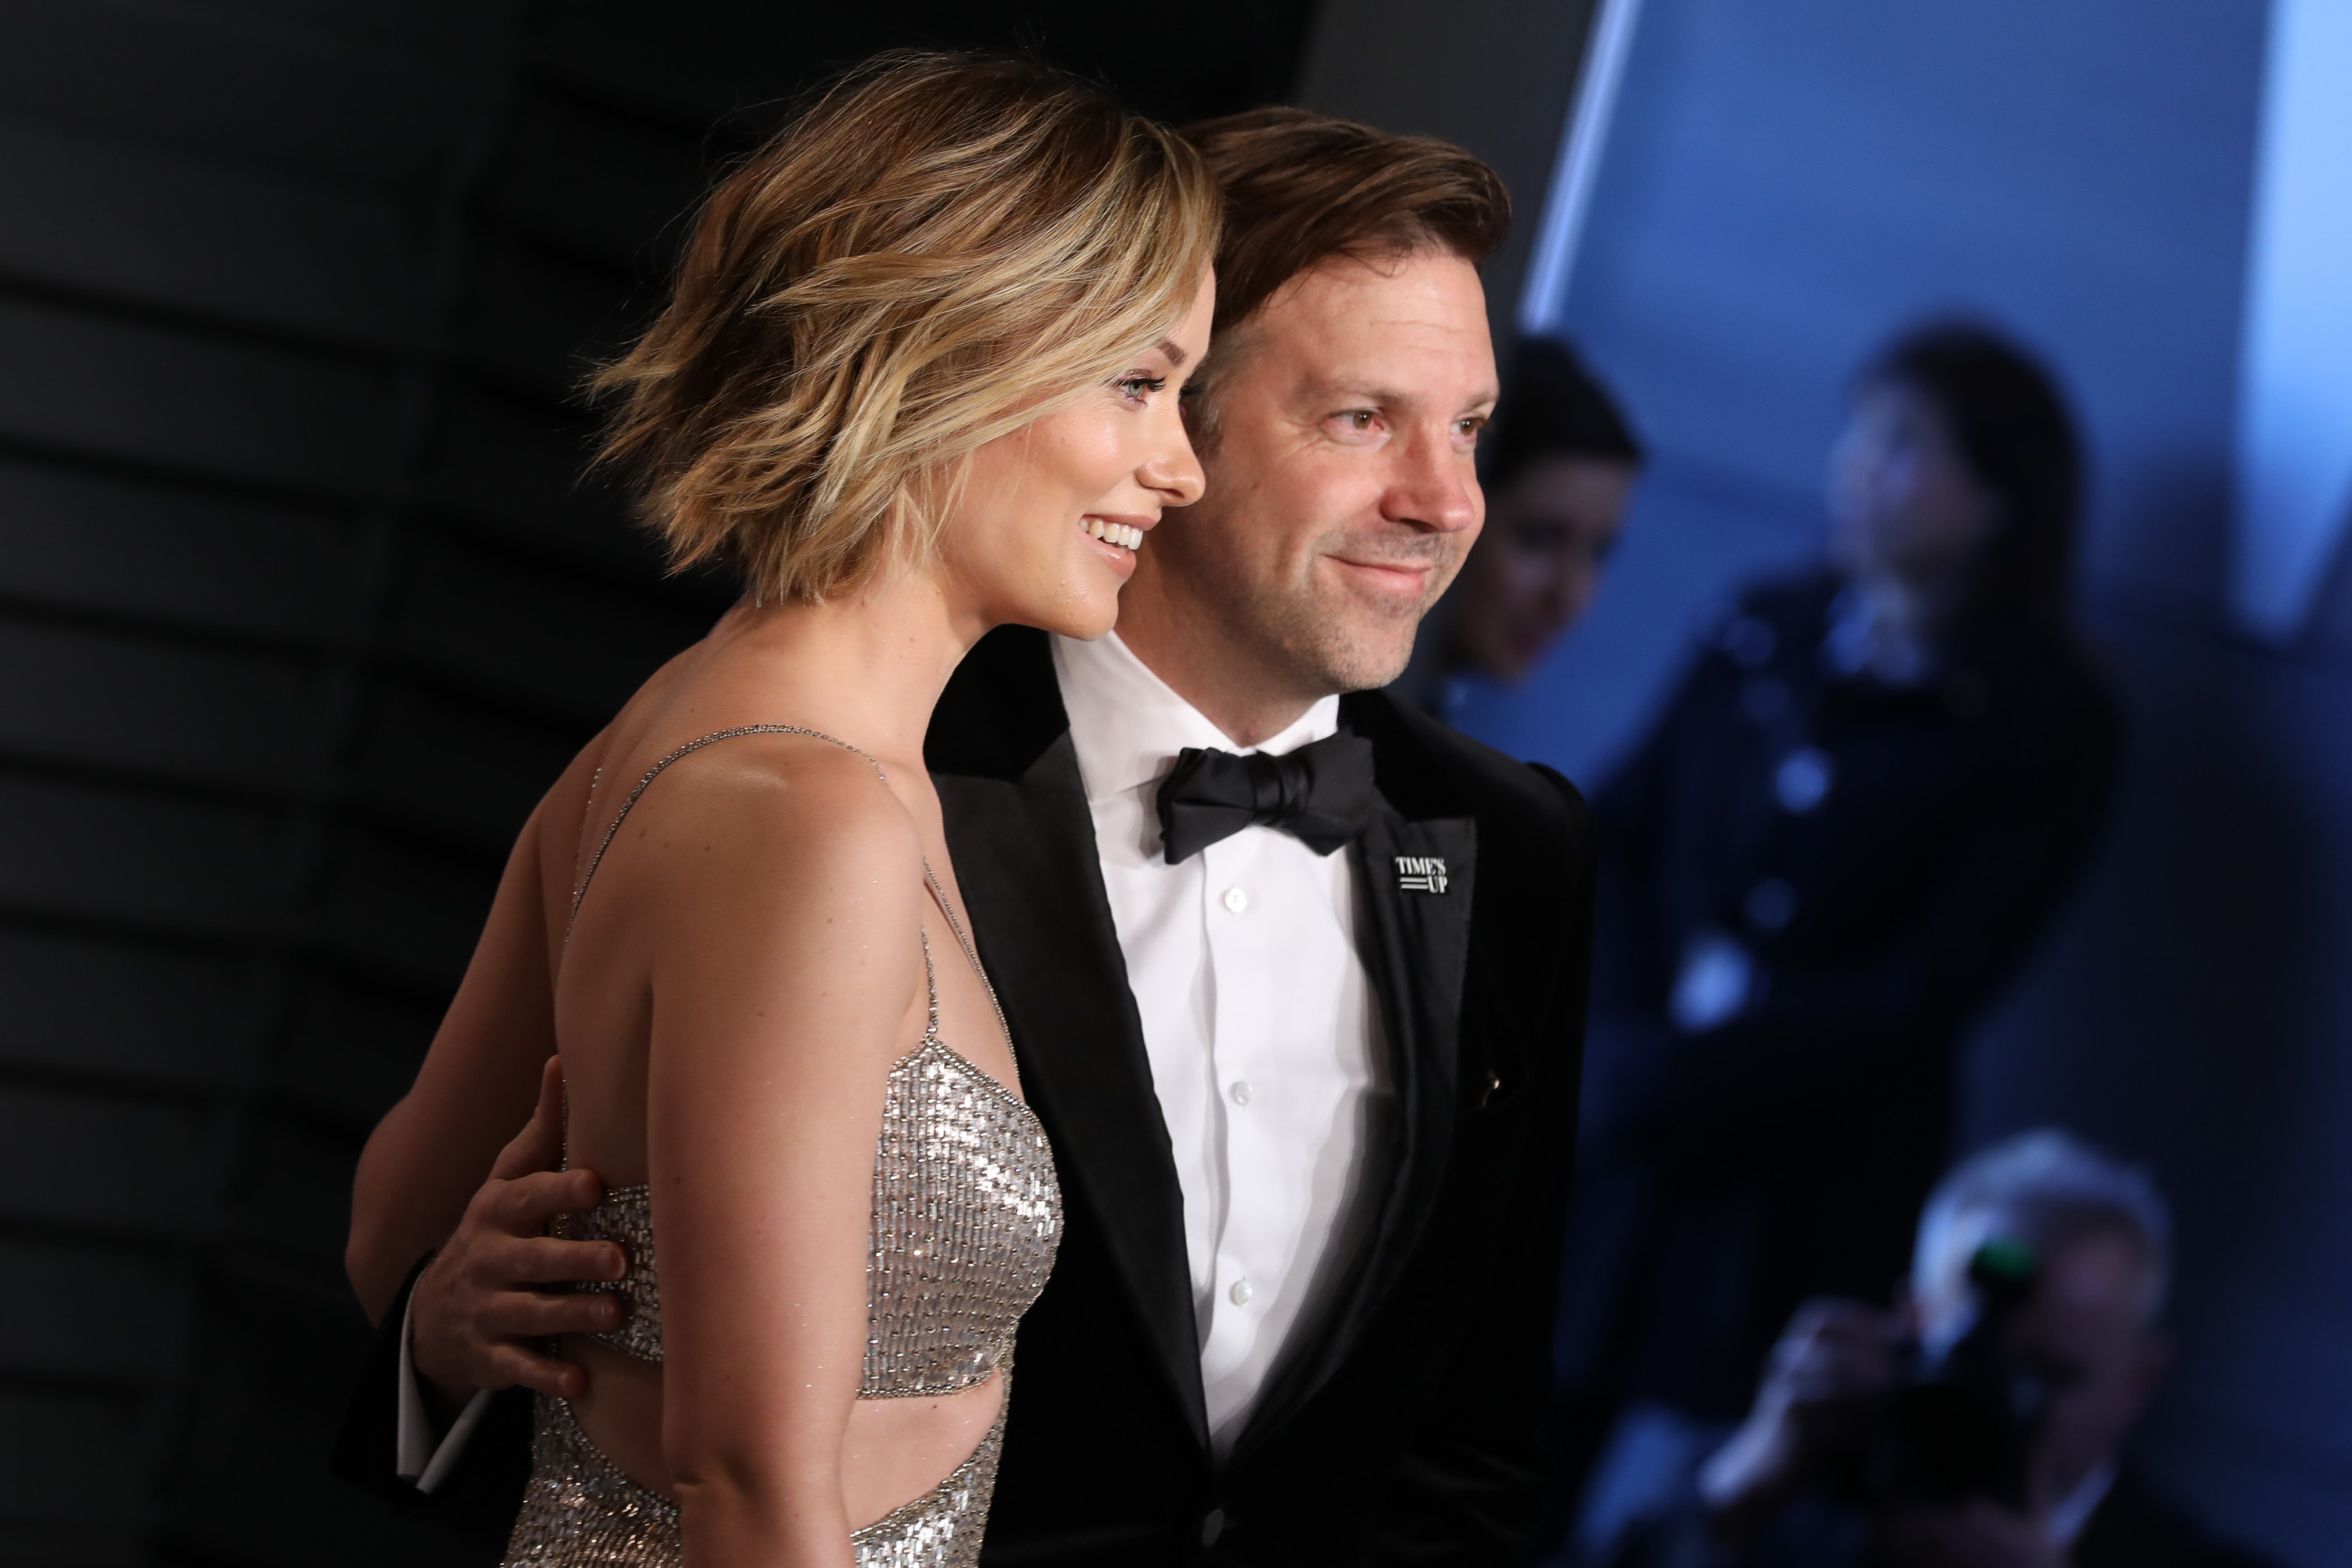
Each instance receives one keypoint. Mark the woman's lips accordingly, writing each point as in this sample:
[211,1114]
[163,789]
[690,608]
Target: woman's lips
[1109,539]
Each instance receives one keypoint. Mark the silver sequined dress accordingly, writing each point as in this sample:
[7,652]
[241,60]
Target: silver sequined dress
[967,1215]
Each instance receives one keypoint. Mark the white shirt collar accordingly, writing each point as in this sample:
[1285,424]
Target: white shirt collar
[1128,724]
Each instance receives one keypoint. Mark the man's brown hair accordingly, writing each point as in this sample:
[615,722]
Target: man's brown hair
[1302,188]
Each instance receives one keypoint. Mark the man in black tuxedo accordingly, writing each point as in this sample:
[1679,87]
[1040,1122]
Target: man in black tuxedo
[1297,979]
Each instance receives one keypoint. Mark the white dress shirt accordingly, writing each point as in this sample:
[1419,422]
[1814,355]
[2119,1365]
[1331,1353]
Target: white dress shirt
[1257,1017]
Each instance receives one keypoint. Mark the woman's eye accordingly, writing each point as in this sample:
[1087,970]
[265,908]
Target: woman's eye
[1138,387]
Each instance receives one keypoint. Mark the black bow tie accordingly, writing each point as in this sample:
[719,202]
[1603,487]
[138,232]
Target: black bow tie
[1321,794]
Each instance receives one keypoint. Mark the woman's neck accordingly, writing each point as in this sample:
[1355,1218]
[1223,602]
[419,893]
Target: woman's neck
[867,669]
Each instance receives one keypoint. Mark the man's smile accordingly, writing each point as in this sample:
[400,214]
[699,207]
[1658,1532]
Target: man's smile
[1406,577]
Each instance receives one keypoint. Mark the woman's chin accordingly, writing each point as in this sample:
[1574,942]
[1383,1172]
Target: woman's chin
[1093,625]
[1086,616]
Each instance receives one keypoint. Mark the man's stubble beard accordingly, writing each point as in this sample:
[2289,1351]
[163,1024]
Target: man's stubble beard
[1327,643]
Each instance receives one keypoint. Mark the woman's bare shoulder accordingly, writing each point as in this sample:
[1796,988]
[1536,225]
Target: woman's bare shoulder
[778,805]
[781,879]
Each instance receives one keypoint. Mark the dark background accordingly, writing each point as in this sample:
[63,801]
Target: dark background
[302,607]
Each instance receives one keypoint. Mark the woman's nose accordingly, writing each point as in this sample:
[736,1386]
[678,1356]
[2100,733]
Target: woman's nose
[1177,476]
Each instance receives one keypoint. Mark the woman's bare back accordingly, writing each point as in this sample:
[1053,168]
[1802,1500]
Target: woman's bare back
[765,845]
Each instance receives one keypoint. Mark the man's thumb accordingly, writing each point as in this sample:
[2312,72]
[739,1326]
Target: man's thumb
[539,1145]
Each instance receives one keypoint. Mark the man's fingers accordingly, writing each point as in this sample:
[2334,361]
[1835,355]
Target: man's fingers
[523,1205]
[539,1145]
[545,1261]
[545,1375]
[531,1314]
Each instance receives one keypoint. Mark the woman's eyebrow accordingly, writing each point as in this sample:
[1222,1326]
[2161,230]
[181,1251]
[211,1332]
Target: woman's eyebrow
[1176,356]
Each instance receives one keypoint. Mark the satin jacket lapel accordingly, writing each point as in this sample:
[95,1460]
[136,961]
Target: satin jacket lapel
[1416,944]
[1026,857]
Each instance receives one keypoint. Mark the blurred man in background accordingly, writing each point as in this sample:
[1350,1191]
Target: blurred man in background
[1981,1424]
[1857,814]
[1559,467]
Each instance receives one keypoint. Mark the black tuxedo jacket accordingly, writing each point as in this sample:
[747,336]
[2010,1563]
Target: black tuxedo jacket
[1402,1425]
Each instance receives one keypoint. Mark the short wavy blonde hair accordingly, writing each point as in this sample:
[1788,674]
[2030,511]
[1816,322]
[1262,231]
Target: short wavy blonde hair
[938,251]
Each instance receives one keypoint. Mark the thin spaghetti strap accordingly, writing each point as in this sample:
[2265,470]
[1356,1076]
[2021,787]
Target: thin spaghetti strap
[932,991]
[580,889]
[972,954]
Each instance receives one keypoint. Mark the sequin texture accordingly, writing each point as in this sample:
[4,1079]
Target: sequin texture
[581,1512]
[627,1216]
[967,1216]
[966,1219]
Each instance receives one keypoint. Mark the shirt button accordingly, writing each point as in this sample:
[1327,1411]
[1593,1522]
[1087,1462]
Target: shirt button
[1241,1292]
[1237,900]
[1240,1091]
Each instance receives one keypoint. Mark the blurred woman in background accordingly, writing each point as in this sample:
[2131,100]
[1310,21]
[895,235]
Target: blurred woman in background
[1848,826]
[1558,467]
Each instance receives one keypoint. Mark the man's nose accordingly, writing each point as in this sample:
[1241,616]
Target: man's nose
[1433,486]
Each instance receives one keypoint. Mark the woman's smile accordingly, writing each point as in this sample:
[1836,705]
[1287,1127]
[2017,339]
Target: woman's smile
[1114,540]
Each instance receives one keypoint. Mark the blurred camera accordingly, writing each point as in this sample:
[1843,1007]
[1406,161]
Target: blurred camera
[1963,1422]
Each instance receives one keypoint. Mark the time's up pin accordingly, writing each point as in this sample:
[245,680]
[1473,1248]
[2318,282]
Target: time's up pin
[1420,874]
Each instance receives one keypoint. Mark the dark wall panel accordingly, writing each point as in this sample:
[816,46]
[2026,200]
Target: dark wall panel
[108,548]
[93,849]
[97,1009]
[157,707]
[280,251]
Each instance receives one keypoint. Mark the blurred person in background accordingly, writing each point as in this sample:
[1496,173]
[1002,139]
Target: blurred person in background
[1558,466]
[1856,815]
[2033,1320]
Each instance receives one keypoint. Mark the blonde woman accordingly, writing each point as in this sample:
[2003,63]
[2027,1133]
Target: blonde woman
[919,379]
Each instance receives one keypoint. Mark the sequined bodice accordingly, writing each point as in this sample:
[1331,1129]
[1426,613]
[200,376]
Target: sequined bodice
[967,1215]
[967,1212]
